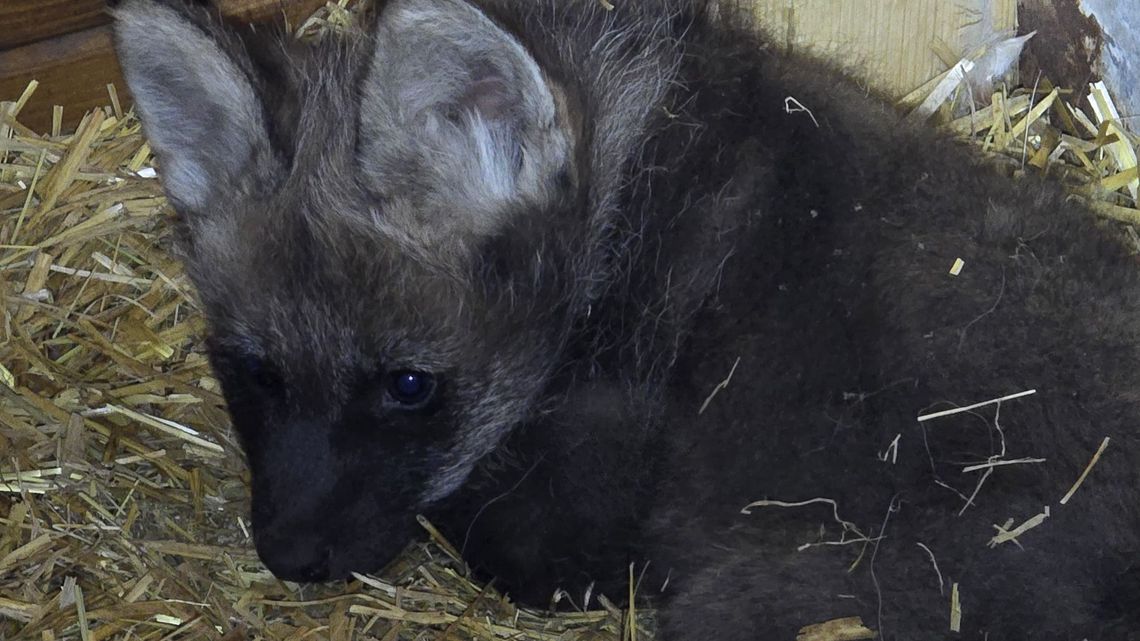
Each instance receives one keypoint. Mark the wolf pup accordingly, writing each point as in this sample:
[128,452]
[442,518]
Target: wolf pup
[582,285]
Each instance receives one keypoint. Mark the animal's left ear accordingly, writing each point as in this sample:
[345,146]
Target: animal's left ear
[449,86]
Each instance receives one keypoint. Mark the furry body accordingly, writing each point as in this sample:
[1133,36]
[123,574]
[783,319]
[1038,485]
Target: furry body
[579,222]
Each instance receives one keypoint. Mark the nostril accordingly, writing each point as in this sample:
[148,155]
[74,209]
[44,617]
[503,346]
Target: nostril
[301,568]
[304,559]
[318,570]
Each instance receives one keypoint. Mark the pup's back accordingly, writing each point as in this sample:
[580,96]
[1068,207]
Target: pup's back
[840,323]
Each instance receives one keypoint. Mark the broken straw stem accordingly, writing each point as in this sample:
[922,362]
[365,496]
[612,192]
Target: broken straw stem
[957,410]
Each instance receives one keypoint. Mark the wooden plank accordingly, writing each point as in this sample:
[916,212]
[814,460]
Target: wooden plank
[28,21]
[74,69]
[896,44]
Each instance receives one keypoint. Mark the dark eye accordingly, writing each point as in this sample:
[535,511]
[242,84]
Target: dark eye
[411,388]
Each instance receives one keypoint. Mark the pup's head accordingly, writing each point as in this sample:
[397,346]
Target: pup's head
[381,229]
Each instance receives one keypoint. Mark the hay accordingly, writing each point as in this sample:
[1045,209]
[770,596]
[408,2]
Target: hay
[846,629]
[122,491]
[1084,474]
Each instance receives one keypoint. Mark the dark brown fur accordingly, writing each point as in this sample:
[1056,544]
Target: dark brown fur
[672,221]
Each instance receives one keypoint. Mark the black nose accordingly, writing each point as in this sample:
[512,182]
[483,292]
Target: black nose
[303,570]
[295,557]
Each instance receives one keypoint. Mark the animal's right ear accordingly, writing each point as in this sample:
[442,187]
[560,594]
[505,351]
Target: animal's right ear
[191,82]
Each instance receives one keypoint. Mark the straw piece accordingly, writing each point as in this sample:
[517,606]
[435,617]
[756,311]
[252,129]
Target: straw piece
[958,410]
[1005,535]
[18,106]
[941,91]
[1121,150]
[24,552]
[1088,468]
[845,629]
[955,609]
[60,177]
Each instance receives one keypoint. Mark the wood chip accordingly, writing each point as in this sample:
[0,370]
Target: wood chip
[846,629]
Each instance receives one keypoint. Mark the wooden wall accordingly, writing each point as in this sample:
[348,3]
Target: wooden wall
[66,46]
[897,44]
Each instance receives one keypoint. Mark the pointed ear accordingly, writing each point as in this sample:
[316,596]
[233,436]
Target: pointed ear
[191,84]
[451,88]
